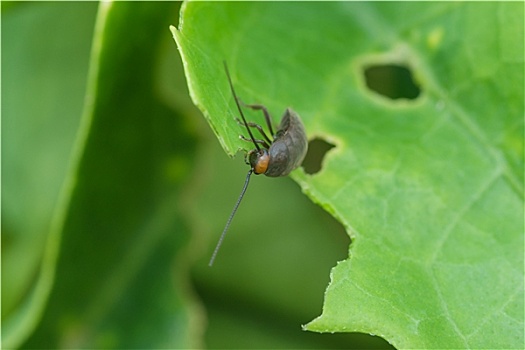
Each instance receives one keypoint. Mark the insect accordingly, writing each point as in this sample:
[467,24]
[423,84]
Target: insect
[277,157]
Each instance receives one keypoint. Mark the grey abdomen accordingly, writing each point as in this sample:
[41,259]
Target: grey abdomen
[289,146]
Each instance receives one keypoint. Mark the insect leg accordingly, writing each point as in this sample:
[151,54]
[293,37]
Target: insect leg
[261,142]
[238,104]
[265,112]
[257,126]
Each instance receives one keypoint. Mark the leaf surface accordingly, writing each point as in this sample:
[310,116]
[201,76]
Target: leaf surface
[429,189]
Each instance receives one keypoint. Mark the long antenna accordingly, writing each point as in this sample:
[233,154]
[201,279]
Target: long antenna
[239,106]
[230,218]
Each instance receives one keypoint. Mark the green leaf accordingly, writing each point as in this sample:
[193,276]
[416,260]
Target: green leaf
[112,273]
[43,89]
[429,189]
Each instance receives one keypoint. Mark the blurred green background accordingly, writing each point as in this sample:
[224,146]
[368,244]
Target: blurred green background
[115,192]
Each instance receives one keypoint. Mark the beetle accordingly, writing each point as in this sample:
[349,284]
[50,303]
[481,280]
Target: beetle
[273,158]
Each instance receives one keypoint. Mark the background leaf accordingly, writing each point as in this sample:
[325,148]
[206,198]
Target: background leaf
[119,236]
[36,103]
[430,189]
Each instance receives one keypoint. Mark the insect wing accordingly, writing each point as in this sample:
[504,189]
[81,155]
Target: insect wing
[289,147]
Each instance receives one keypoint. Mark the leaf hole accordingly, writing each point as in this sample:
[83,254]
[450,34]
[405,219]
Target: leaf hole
[317,149]
[392,80]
